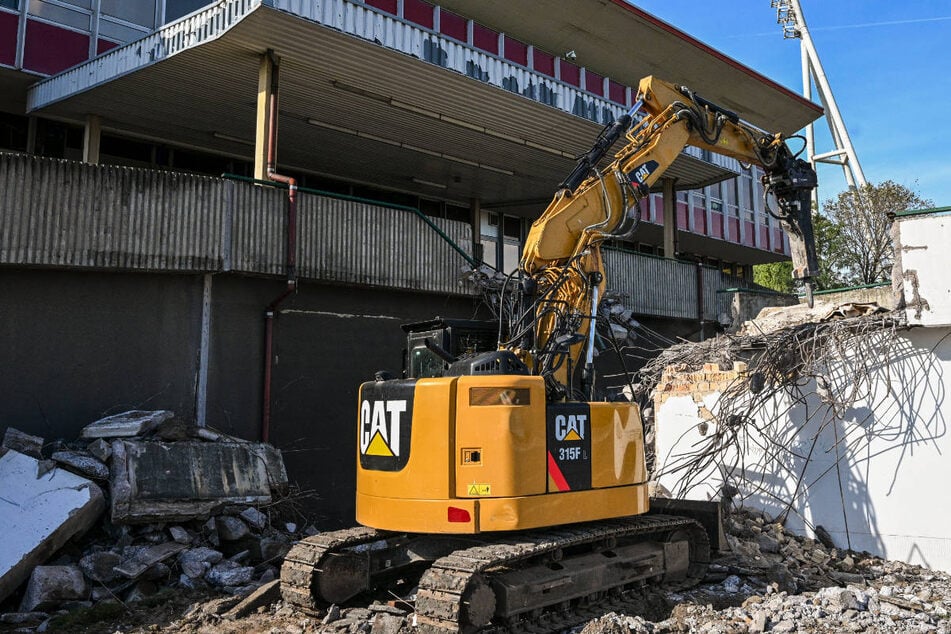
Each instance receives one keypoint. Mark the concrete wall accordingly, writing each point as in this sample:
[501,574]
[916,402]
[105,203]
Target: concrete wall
[81,345]
[873,473]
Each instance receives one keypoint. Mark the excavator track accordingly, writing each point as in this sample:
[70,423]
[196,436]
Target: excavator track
[513,582]
[455,594]
[304,560]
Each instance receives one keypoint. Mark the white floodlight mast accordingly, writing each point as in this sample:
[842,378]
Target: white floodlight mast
[789,15]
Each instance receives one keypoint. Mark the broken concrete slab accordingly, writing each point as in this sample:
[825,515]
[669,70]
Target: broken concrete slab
[100,566]
[231,529]
[39,514]
[23,442]
[148,482]
[145,558]
[254,518]
[229,574]
[265,595]
[101,449]
[195,562]
[82,463]
[126,424]
[51,585]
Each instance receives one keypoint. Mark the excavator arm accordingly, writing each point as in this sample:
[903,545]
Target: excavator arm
[561,261]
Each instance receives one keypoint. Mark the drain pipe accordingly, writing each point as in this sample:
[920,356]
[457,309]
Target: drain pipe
[291,260]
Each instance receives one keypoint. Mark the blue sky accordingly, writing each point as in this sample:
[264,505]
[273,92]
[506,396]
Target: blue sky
[889,65]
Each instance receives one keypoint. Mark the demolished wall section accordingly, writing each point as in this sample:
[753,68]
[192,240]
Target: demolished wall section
[857,444]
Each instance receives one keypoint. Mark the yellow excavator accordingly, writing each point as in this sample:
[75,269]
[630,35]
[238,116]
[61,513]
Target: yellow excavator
[496,480]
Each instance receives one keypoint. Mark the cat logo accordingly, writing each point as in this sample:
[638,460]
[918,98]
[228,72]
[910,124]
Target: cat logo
[380,427]
[570,427]
[640,174]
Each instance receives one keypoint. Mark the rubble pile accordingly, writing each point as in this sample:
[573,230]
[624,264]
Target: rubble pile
[774,581]
[200,554]
[188,510]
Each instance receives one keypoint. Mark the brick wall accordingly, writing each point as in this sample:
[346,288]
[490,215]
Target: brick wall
[677,380]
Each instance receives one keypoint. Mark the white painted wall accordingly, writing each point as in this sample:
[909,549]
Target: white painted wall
[891,493]
[924,239]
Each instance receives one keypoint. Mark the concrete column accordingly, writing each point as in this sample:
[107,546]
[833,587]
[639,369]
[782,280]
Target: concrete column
[670,218]
[265,75]
[91,136]
[201,389]
[475,219]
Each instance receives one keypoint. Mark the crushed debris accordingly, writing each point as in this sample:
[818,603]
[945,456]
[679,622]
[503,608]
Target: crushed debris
[774,318]
[216,526]
[770,580]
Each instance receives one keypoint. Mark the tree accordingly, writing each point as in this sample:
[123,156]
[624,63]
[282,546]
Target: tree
[828,236]
[778,275]
[774,275]
[859,248]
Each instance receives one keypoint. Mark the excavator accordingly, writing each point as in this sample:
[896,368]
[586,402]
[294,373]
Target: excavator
[507,489]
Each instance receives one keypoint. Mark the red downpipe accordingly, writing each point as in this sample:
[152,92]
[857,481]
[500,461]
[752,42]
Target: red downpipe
[291,261]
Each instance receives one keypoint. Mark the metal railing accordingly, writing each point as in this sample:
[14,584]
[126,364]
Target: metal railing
[661,287]
[346,16]
[69,214]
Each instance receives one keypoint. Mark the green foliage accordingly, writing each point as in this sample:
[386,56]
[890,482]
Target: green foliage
[774,275]
[853,241]
[828,236]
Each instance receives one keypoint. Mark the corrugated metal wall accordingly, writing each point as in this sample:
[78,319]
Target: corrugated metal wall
[69,214]
[65,213]
[665,288]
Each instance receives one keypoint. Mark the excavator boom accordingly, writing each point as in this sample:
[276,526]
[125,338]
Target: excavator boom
[562,252]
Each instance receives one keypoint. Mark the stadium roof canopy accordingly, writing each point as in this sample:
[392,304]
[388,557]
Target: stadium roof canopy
[371,97]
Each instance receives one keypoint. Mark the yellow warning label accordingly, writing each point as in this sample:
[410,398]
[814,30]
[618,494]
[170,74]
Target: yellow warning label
[573,435]
[378,447]
[480,489]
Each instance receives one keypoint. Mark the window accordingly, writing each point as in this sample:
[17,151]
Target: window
[418,12]
[485,38]
[570,73]
[516,51]
[729,191]
[543,62]
[384,5]
[490,238]
[175,9]
[10,4]
[455,26]
[744,186]
[142,13]
[13,132]
[593,82]
[501,240]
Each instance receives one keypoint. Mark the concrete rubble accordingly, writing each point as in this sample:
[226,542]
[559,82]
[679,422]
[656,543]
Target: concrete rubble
[802,586]
[231,474]
[23,443]
[206,528]
[769,580]
[40,510]
[126,424]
